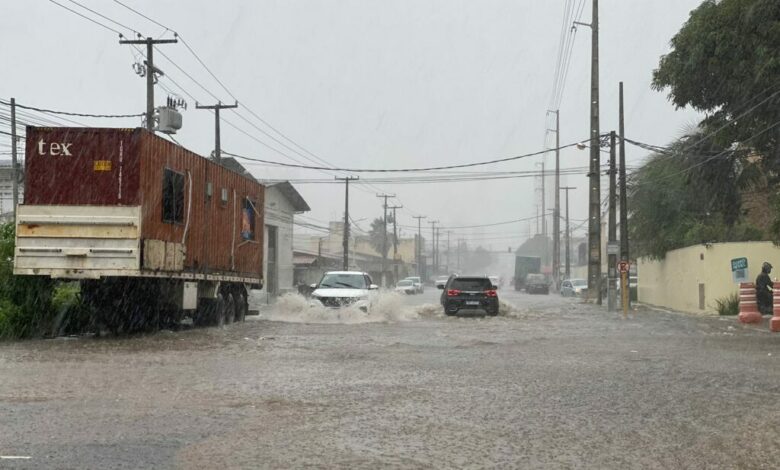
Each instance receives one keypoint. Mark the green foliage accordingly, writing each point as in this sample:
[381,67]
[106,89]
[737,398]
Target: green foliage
[724,61]
[670,207]
[728,305]
[25,301]
[72,315]
[65,296]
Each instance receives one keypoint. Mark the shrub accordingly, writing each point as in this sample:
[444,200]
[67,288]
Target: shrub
[72,316]
[728,305]
[25,301]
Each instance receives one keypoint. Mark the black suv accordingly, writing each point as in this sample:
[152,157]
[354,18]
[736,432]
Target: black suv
[469,293]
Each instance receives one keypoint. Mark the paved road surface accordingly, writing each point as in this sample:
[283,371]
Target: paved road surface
[550,384]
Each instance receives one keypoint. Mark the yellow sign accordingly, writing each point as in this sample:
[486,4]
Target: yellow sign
[102,165]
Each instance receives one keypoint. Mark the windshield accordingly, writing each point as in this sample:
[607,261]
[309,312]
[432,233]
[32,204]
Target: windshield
[579,282]
[343,281]
[471,284]
[404,283]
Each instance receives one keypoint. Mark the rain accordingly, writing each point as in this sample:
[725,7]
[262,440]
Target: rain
[430,234]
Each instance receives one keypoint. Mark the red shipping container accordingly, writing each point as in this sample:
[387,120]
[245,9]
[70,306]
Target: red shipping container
[213,213]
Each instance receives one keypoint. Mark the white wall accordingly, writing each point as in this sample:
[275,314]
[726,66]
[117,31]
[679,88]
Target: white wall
[675,281]
[279,213]
[6,189]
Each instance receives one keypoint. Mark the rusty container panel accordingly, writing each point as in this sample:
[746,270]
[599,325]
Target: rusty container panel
[81,166]
[211,229]
[126,167]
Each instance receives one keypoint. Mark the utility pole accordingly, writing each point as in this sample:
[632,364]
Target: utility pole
[438,252]
[594,185]
[594,229]
[544,208]
[612,247]
[217,144]
[384,238]
[345,241]
[460,243]
[151,70]
[14,158]
[556,258]
[449,232]
[434,268]
[395,243]
[567,272]
[419,247]
[624,252]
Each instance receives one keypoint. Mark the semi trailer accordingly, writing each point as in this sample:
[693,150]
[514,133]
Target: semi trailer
[525,265]
[152,231]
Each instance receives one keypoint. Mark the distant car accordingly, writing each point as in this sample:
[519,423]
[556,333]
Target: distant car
[574,287]
[406,286]
[469,293]
[338,289]
[537,284]
[440,281]
[418,284]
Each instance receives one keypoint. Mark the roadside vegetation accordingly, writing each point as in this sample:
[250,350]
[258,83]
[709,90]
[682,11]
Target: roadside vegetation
[719,182]
[35,306]
[728,305]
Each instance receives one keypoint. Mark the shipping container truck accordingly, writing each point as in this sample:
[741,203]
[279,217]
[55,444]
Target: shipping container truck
[525,265]
[152,231]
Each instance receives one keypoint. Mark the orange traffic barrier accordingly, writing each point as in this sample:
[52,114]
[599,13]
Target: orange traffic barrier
[748,306]
[774,323]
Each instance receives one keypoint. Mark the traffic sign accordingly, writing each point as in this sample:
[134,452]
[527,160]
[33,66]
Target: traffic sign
[624,266]
[739,270]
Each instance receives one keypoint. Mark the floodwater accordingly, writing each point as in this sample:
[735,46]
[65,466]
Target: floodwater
[548,383]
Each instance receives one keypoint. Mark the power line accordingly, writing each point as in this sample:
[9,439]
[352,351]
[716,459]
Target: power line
[87,18]
[709,159]
[105,17]
[68,113]
[249,110]
[397,170]
[142,15]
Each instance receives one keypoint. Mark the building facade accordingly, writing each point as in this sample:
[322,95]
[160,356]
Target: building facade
[6,190]
[282,202]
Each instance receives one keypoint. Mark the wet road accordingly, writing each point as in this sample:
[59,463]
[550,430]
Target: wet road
[550,384]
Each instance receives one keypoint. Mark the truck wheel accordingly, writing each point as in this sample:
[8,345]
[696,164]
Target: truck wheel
[230,307]
[242,305]
[212,313]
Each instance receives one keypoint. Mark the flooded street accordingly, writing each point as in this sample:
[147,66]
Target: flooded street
[549,383]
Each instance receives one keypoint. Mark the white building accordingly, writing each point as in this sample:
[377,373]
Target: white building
[6,190]
[282,202]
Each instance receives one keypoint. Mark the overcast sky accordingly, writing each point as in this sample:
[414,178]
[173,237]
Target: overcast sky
[366,84]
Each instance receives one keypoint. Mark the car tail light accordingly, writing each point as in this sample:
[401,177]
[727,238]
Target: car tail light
[453,293]
[491,293]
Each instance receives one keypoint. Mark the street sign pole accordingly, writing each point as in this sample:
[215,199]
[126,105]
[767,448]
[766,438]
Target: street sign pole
[624,267]
[624,294]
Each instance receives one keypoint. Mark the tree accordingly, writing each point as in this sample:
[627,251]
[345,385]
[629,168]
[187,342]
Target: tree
[725,62]
[376,237]
[672,205]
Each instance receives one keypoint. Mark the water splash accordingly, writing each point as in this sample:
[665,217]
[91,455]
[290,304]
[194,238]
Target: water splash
[294,308]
